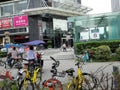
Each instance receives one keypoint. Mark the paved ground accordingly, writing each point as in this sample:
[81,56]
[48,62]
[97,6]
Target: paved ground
[58,54]
[67,61]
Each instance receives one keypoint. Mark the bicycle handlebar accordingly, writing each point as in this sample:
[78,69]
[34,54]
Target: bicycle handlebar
[55,65]
[56,62]
[53,59]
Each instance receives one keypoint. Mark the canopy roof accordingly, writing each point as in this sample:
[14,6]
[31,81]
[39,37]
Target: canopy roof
[33,43]
[62,9]
[12,45]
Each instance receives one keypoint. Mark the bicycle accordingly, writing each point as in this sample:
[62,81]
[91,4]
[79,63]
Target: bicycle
[32,77]
[8,81]
[105,81]
[15,62]
[53,83]
[83,81]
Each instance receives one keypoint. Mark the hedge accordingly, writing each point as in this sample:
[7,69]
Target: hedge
[88,45]
[3,54]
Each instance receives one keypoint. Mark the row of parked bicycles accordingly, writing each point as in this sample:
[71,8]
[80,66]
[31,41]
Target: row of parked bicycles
[31,78]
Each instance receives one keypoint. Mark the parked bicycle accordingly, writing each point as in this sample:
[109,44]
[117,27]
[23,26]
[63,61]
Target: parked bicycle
[15,62]
[83,80]
[32,77]
[53,83]
[105,80]
[9,82]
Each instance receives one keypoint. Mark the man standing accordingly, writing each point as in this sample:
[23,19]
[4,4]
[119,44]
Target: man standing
[21,52]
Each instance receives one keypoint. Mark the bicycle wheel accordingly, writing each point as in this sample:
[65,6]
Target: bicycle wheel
[71,87]
[89,83]
[52,84]
[26,84]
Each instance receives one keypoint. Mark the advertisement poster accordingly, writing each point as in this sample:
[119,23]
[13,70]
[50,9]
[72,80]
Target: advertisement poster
[6,23]
[21,21]
[84,36]
[95,35]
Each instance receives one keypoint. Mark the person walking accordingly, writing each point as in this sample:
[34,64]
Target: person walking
[85,57]
[64,47]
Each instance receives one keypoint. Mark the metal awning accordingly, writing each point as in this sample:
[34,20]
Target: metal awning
[51,10]
[62,9]
[69,5]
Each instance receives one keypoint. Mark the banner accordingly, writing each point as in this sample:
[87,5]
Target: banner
[20,21]
[6,23]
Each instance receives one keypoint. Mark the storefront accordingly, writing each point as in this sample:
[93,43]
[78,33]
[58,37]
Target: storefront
[16,28]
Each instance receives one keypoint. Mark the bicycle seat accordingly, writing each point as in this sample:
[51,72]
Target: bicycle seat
[70,71]
[36,64]
[54,71]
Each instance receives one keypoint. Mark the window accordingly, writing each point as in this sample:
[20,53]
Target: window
[6,10]
[19,6]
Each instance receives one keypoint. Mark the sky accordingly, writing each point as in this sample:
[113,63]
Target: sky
[98,6]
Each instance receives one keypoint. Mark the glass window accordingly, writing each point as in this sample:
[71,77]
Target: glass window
[6,9]
[19,6]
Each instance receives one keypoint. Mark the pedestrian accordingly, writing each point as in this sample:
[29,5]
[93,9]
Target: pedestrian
[85,57]
[21,52]
[64,47]
[12,55]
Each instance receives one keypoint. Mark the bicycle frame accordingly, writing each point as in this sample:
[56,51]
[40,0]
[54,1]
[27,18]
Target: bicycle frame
[34,77]
[77,81]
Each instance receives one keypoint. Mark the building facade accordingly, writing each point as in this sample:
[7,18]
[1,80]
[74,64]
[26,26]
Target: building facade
[27,20]
[96,27]
[115,5]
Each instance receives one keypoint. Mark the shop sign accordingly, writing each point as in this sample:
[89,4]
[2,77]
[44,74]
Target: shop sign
[20,21]
[6,23]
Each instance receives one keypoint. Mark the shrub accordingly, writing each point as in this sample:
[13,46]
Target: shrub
[113,44]
[49,43]
[3,54]
[102,53]
[118,53]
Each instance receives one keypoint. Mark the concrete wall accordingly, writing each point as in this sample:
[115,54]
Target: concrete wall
[33,28]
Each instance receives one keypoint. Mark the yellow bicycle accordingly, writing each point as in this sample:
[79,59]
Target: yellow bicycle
[83,81]
[32,78]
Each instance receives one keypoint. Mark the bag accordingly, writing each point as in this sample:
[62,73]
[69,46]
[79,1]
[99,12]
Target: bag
[9,55]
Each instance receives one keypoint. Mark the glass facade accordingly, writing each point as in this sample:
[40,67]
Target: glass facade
[8,9]
[95,27]
[19,6]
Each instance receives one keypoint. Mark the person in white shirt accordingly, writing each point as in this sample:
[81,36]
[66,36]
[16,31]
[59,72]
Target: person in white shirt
[31,57]
[14,55]
[21,52]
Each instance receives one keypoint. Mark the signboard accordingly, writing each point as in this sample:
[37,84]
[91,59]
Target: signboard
[6,23]
[84,35]
[95,35]
[20,21]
